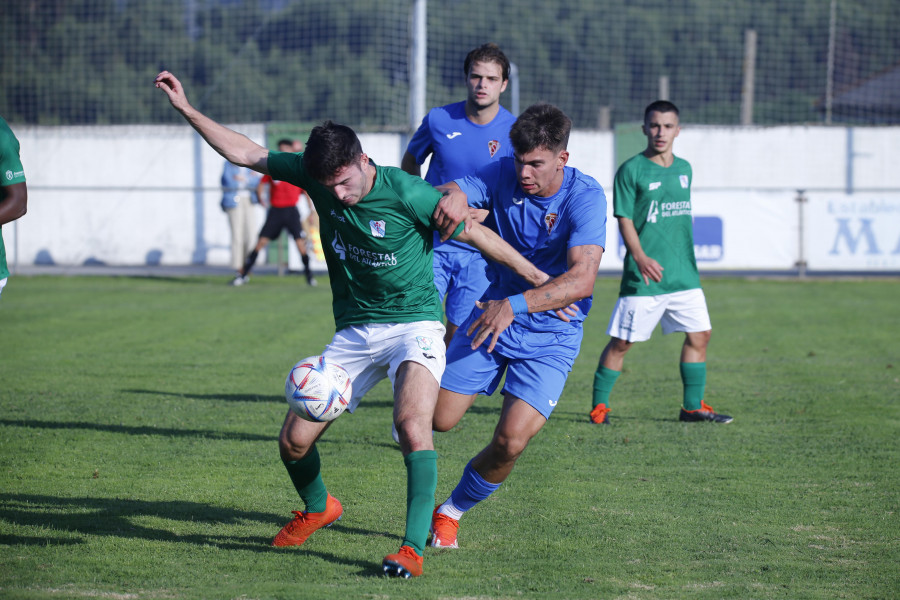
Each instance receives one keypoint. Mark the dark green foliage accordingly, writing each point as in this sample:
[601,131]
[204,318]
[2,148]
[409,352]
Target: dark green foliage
[92,61]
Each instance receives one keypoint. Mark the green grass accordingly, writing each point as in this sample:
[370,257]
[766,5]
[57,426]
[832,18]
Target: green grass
[138,454]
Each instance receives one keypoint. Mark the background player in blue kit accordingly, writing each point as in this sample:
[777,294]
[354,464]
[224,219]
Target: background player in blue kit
[556,217]
[461,138]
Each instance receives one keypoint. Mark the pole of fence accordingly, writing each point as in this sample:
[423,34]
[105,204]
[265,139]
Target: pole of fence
[747,90]
[418,58]
[801,199]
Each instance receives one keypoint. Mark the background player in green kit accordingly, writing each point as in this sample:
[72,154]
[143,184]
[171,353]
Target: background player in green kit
[660,281]
[376,225]
[13,191]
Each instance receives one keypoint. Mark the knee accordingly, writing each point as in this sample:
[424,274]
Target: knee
[292,447]
[699,339]
[507,448]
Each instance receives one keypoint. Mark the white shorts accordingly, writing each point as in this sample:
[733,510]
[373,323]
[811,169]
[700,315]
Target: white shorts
[374,351]
[3,283]
[635,317]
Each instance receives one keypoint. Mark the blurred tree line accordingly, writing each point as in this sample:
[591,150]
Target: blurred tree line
[75,62]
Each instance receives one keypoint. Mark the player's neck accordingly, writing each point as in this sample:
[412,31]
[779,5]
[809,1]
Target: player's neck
[663,159]
[370,174]
[481,115]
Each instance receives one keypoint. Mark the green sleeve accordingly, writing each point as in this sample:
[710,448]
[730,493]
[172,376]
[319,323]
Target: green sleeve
[11,170]
[624,191]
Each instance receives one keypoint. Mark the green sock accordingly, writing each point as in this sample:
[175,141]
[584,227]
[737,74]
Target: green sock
[421,483]
[604,380]
[693,375]
[306,474]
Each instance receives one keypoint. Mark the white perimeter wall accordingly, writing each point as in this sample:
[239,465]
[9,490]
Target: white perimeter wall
[136,195]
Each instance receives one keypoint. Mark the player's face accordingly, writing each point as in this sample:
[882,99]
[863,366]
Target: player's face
[540,172]
[350,183]
[661,129]
[485,84]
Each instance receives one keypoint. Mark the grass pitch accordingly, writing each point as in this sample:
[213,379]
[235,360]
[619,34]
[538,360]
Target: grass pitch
[138,454]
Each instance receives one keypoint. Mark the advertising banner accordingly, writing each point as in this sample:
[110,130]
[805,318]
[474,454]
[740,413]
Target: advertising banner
[852,232]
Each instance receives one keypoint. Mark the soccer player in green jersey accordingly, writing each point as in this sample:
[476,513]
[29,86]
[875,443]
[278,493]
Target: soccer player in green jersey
[13,191]
[660,282]
[376,225]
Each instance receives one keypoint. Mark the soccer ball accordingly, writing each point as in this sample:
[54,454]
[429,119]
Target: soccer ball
[318,389]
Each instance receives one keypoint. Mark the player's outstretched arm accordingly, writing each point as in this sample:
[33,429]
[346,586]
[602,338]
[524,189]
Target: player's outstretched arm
[494,247]
[573,285]
[233,146]
[650,269]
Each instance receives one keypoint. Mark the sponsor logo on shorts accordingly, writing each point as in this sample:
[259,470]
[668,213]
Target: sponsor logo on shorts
[425,343]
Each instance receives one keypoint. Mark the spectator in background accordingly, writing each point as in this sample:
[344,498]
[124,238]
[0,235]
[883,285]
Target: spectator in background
[238,197]
[13,191]
[283,214]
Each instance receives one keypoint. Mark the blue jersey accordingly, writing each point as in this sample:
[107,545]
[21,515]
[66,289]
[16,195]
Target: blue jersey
[459,147]
[541,229]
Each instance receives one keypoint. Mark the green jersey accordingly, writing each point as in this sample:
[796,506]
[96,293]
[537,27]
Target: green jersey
[658,200]
[11,172]
[379,251]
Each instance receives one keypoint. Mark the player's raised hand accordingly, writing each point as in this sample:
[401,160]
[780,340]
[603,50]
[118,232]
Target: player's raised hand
[497,316]
[173,89]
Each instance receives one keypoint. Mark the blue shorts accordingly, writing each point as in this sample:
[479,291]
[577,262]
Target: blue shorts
[460,276]
[536,364]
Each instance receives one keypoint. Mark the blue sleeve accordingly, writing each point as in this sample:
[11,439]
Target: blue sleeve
[420,144]
[479,186]
[589,219]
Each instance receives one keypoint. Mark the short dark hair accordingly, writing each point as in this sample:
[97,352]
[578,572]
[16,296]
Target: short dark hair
[330,148]
[487,53]
[284,142]
[662,106]
[542,125]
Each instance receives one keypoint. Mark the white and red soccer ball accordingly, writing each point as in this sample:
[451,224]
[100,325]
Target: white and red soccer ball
[318,389]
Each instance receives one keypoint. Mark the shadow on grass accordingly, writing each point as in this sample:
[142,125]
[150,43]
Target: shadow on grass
[226,397]
[116,517]
[120,518]
[140,430]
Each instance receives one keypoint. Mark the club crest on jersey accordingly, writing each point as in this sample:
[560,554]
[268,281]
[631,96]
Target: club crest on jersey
[684,181]
[493,146]
[550,220]
[377,228]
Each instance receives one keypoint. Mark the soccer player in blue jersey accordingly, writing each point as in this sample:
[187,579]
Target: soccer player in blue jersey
[461,138]
[556,217]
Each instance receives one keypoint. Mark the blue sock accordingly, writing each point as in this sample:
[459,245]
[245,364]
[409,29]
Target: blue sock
[471,489]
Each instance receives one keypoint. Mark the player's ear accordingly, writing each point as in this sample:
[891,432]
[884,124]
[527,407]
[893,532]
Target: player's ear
[562,159]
